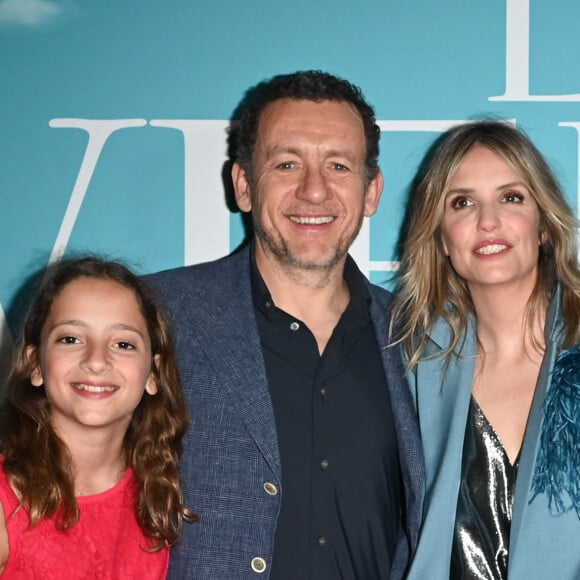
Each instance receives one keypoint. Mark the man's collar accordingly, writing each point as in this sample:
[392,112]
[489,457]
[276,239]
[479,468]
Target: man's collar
[359,294]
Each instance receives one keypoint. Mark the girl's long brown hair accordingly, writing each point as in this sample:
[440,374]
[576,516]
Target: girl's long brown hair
[37,462]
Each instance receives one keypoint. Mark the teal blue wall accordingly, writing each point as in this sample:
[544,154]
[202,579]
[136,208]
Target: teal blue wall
[175,71]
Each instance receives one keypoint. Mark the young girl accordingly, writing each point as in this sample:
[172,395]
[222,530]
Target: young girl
[90,432]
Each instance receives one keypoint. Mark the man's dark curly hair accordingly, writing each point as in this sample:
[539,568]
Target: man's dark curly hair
[313,85]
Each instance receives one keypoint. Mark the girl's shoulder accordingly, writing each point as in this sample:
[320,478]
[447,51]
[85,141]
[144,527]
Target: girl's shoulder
[4,546]
[8,497]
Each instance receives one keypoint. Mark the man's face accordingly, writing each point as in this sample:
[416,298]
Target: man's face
[307,190]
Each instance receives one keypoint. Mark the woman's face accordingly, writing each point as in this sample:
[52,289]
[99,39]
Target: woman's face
[491,223]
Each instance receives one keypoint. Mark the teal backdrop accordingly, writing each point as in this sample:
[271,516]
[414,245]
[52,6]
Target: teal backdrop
[113,113]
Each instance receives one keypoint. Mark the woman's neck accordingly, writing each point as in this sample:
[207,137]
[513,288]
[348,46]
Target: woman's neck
[502,320]
[511,353]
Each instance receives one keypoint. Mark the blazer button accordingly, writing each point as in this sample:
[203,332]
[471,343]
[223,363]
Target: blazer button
[258,565]
[270,488]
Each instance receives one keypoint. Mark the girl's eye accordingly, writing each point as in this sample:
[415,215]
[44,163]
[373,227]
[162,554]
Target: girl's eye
[68,340]
[124,345]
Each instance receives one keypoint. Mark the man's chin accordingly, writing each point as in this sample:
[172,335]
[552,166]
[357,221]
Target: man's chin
[302,257]
[318,263]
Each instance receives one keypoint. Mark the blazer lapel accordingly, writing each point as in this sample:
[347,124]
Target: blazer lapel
[406,427]
[442,400]
[534,426]
[233,345]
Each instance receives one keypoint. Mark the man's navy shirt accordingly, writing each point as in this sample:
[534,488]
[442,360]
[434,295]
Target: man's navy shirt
[341,481]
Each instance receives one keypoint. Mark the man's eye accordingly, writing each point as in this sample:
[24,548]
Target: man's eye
[339,167]
[286,165]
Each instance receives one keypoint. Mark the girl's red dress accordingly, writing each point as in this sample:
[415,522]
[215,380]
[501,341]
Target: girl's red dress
[106,544]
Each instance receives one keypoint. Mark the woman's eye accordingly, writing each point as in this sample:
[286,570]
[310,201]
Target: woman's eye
[460,202]
[513,197]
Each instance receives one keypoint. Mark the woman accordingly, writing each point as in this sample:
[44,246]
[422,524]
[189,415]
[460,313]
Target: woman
[489,311]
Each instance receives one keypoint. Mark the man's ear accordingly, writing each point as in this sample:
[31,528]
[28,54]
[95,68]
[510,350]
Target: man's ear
[241,187]
[373,194]
[36,378]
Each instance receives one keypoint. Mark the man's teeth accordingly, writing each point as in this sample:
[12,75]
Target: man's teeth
[493,249]
[94,388]
[312,220]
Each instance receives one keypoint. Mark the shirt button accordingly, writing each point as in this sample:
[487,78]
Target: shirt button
[322,541]
[323,391]
[270,488]
[258,565]
[324,464]
[294,326]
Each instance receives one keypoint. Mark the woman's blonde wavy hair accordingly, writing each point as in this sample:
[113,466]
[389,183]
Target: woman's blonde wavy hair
[429,288]
[38,463]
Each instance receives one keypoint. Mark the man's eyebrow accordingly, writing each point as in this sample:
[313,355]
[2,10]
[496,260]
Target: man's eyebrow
[281,149]
[291,150]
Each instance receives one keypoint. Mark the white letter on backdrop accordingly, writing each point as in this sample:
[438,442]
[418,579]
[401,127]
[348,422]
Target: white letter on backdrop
[517,65]
[360,249]
[6,344]
[99,131]
[576,126]
[207,218]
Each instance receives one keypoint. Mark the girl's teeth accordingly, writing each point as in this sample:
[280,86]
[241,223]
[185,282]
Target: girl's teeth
[94,389]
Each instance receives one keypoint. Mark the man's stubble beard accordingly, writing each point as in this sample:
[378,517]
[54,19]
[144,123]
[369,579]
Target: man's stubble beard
[281,251]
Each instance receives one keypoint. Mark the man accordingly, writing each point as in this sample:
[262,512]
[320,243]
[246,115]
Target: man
[303,460]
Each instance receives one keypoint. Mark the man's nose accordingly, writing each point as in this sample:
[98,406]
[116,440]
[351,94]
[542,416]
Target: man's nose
[314,186]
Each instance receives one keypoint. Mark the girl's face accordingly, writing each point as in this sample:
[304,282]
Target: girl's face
[94,358]
[491,224]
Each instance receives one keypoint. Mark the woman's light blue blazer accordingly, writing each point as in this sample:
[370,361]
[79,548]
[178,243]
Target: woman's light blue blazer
[542,545]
